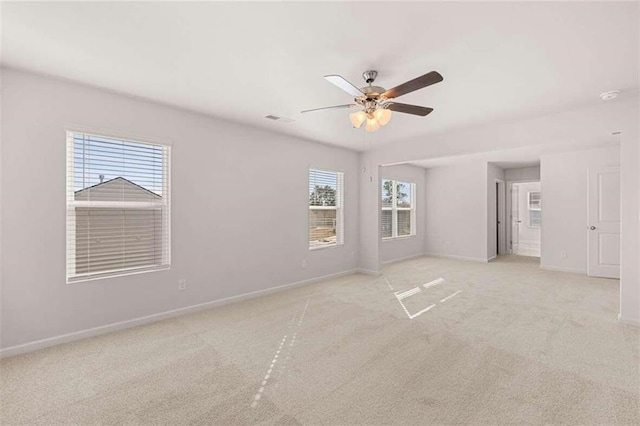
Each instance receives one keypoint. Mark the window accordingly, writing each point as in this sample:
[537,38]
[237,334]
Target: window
[534,202]
[326,216]
[117,206]
[398,209]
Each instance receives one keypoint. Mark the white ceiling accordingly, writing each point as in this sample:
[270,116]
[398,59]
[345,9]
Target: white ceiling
[528,156]
[242,61]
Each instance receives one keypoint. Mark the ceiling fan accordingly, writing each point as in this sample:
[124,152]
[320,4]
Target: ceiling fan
[377,101]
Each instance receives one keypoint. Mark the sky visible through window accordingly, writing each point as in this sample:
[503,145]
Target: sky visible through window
[99,159]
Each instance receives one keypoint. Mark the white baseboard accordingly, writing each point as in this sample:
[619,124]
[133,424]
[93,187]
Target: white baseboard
[492,258]
[563,269]
[452,256]
[534,244]
[629,321]
[368,272]
[109,328]
[401,259]
[523,251]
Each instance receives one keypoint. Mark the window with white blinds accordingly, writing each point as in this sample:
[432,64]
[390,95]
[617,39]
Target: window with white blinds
[326,208]
[117,206]
[534,201]
[398,209]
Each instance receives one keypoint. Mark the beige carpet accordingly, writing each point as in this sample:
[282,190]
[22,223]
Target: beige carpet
[515,344]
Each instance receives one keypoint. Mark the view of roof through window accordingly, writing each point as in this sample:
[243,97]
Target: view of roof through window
[98,160]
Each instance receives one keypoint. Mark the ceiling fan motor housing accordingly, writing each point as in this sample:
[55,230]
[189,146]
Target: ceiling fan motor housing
[372,92]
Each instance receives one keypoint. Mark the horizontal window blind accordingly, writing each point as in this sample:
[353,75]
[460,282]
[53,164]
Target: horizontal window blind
[387,224]
[326,208]
[535,209]
[535,218]
[118,206]
[404,223]
[398,209]
[535,200]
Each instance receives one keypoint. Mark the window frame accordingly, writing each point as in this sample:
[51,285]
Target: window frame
[395,209]
[72,204]
[339,209]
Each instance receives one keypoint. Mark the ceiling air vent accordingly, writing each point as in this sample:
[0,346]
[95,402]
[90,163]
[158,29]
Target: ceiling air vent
[278,118]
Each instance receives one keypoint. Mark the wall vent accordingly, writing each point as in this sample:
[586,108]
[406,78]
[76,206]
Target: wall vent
[278,118]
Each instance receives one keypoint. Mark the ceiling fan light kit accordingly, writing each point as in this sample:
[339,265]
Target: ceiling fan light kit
[372,125]
[383,115]
[375,100]
[357,118]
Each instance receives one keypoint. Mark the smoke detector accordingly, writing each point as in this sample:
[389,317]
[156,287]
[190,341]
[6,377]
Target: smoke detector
[607,96]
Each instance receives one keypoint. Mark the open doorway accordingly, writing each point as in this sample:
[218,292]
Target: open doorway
[525,210]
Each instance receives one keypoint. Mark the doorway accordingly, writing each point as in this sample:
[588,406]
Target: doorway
[525,211]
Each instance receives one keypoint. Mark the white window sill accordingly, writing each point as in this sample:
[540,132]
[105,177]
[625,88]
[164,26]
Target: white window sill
[403,237]
[328,246]
[120,274]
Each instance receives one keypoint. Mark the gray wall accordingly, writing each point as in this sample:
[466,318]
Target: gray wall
[522,173]
[456,220]
[213,231]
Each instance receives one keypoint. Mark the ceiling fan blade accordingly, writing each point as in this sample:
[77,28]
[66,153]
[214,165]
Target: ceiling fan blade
[328,108]
[344,85]
[409,109]
[428,79]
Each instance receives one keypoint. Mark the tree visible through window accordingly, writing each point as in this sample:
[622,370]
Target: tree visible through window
[397,215]
[325,208]
[323,196]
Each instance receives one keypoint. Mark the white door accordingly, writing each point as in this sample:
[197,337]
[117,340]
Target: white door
[515,219]
[604,222]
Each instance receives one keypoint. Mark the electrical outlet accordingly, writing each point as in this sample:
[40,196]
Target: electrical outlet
[304,263]
[182,285]
[563,254]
